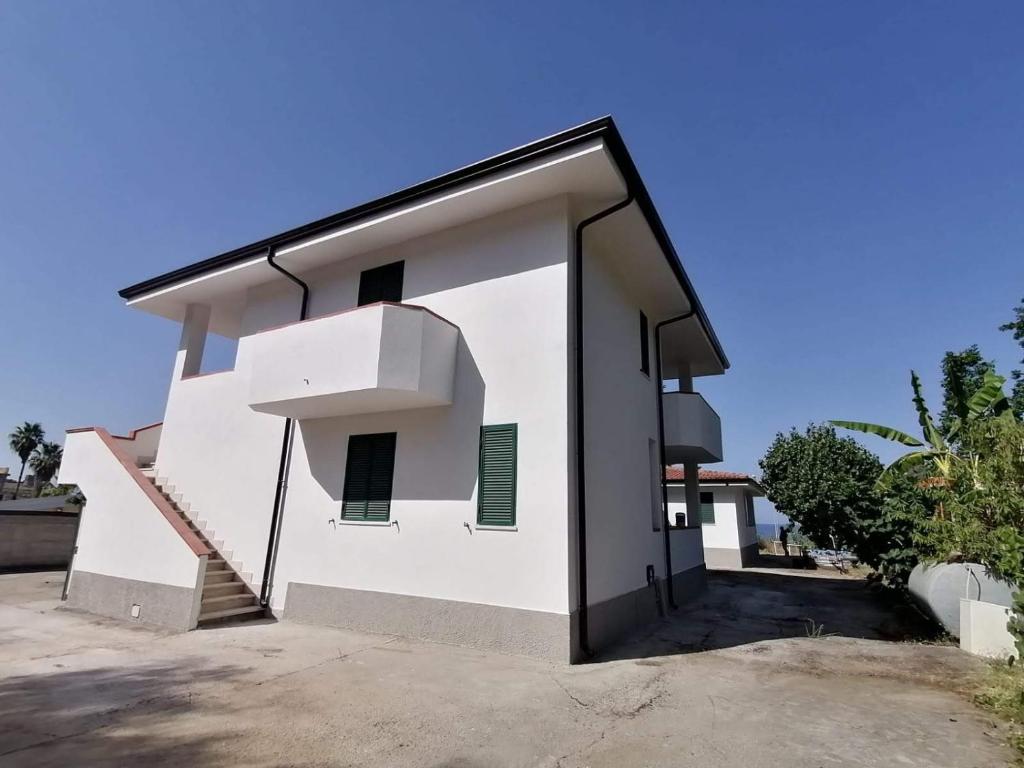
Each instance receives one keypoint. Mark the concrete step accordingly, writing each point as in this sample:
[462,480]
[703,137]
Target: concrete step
[225,588]
[249,612]
[216,565]
[219,577]
[224,602]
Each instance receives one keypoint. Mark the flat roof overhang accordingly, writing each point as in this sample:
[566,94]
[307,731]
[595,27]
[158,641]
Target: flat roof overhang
[589,163]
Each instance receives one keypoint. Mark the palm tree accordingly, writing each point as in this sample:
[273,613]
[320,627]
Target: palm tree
[938,448]
[45,461]
[23,441]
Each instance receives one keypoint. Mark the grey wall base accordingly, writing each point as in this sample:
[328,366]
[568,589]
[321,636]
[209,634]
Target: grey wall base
[160,604]
[613,619]
[730,558]
[490,627]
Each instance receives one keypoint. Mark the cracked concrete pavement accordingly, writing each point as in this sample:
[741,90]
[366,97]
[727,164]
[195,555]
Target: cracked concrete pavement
[733,680]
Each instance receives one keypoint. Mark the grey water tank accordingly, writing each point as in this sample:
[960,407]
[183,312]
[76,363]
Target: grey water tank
[938,589]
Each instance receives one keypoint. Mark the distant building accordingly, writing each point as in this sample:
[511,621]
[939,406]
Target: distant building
[726,514]
[9,483]
[37,533]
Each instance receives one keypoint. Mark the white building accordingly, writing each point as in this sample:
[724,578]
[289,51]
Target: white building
[441,422]
[726,514]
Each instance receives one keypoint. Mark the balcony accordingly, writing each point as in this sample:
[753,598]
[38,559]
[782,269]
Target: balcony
[693,430]
[381,357]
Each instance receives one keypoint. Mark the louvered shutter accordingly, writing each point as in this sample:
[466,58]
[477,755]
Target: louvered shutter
[496,501]
[369,472]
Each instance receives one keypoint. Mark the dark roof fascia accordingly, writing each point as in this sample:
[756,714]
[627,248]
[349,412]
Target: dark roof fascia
[603,128]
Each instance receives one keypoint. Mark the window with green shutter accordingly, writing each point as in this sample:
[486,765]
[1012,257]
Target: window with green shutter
[707,508]
[496,497]
[369,471]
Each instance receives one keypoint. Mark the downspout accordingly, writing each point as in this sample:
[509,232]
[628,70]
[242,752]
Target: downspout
[661,448]
[282,469]
[581,484]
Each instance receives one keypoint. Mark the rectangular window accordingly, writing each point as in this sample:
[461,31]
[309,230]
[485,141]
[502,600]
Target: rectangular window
[369,472]
[707,508]
[645,352]
[751,521]
[656,510]
[496,498]
[381,284]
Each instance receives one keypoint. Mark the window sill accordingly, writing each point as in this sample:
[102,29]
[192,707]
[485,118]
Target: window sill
[512,528]
[366,523]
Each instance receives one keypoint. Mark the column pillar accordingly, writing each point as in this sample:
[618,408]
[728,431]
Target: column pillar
[193,340]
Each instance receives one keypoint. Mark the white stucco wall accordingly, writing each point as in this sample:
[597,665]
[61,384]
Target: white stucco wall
[730,529]
[122,533]
[621,413]
[502,280]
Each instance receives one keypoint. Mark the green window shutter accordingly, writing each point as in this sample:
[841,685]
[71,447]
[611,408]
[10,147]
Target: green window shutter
[496,499]
[369,472]
[707,508]
[751,520]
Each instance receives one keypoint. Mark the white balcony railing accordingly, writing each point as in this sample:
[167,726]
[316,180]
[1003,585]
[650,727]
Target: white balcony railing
[381,357]
[693,430]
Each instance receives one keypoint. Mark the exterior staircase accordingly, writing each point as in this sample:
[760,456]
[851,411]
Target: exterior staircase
[227,596]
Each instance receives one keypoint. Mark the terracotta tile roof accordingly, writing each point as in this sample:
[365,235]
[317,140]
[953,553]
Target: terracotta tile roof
[708,475]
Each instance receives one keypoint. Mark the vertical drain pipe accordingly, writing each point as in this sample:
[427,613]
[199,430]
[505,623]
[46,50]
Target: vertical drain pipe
[581,483]
[282,469]
[661,446]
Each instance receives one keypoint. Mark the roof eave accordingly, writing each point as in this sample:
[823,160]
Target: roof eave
[603,128]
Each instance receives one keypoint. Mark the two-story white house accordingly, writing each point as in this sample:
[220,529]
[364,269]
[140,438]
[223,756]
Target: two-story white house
[444,420]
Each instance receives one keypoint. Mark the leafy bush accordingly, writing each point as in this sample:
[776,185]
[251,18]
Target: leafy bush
[979,510]
[827,485]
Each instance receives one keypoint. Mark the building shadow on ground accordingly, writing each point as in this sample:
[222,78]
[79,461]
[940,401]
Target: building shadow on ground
[109,716]
[743,607]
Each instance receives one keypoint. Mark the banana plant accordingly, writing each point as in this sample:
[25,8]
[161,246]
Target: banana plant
[936,448]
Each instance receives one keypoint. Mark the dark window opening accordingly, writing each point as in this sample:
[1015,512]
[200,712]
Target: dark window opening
[381,284]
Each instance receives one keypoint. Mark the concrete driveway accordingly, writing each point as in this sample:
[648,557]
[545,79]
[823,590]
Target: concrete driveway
[733,681]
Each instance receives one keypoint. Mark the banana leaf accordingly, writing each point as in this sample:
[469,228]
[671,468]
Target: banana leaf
[931,434]
[877,429]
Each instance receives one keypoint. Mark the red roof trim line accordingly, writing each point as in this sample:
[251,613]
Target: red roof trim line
[708,475]
[132,434]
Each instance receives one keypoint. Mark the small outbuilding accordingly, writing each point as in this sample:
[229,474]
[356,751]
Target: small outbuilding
[726,511]
[37,533]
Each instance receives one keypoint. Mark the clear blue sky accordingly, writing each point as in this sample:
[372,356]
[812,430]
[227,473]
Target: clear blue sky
[844,181]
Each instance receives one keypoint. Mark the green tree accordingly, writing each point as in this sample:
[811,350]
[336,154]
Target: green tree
[23,440]
[822,482]
[1016,327]
[45,461]
[963,374]
[979,510]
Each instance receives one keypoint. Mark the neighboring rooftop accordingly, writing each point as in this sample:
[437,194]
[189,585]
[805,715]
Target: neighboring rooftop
[676,474]
[42,504]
